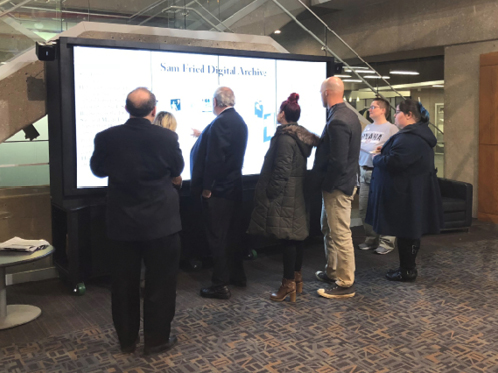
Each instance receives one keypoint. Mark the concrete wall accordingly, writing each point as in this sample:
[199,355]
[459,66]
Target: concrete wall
[462,111]
[22,99]
[404,25]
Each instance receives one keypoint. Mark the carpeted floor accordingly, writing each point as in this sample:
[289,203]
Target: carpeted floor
[447,321]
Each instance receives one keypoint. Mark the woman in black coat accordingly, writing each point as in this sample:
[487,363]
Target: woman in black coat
[404,199]
[280,209]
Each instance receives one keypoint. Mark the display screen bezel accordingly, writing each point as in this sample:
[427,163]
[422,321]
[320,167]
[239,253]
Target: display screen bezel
[66,122]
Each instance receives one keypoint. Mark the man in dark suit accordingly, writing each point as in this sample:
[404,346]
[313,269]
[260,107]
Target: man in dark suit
[336,162]
[216,176]
[143,221]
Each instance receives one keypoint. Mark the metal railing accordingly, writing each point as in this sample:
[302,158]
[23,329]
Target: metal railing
[352,69]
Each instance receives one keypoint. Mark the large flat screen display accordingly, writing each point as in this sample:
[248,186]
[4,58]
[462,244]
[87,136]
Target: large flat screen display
[184,84]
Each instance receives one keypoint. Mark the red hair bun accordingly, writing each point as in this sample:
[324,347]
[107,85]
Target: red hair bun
[291,108]
[293,97]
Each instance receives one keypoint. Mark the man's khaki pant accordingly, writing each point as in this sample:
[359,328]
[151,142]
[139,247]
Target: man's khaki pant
[339,250]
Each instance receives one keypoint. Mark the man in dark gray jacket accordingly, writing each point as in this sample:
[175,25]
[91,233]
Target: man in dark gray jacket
[216,161]
[143,221]
[336,162]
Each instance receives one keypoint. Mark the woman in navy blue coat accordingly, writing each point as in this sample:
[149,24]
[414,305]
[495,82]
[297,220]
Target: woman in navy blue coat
[404,199]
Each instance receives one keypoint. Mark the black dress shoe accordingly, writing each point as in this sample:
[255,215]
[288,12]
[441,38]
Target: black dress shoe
[130,349]
[161,348]
[238,283]
[218,292]
[403,275]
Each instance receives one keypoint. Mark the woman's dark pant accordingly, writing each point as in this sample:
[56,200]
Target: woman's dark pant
[292,258]
[161,258]
[408,249]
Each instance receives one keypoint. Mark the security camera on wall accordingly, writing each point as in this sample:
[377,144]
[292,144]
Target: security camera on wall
[46,51]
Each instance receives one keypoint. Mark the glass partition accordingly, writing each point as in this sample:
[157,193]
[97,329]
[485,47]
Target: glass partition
[24,162]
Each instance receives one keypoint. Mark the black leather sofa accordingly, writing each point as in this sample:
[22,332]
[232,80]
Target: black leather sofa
[457,203]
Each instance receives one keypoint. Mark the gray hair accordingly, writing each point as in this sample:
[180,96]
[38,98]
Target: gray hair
[224,97]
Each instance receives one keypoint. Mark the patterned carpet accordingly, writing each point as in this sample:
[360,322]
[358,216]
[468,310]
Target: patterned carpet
[447,321]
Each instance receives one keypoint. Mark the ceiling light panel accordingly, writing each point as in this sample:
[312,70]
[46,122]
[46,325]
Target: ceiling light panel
[404,72]
[360,71]
[376,77]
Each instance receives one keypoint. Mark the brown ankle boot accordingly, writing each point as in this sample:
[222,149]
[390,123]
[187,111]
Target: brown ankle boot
[298,276]
[288,287]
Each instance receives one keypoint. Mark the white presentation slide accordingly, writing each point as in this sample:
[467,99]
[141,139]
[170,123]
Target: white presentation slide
[184,84]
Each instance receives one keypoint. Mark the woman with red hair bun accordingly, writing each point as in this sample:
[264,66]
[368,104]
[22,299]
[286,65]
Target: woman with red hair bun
[280,210]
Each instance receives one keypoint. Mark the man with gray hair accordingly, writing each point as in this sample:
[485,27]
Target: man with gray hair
[216,163]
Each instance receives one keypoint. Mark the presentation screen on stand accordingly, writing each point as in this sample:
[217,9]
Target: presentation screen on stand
[184,84]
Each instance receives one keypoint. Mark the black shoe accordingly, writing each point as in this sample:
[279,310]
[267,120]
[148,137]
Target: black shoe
[403,275]
[161,348]
[322,276]
[130,349]
[337,292]
[238,283]
[216,291]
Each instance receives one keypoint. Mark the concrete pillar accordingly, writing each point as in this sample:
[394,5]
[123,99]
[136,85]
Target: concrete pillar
[22,99]
[461,100]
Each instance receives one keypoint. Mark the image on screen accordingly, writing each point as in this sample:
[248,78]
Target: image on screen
[184,84]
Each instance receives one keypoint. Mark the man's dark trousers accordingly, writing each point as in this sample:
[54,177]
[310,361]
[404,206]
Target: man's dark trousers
[223,233]
[161,258]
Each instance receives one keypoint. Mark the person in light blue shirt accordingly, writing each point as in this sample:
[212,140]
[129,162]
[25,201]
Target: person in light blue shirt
[373,136]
